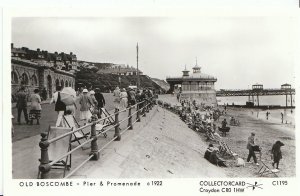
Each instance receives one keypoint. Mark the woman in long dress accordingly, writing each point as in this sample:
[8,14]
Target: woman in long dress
[85,104]
[123,99]
[35,107]
[94,101]
[116,94]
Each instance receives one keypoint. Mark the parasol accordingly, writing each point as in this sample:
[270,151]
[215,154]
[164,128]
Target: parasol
[68,95]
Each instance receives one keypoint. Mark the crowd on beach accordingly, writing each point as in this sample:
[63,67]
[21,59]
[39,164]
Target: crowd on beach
[204,119]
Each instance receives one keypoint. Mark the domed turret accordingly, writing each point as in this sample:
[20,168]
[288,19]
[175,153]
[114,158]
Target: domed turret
[196,69]
[185,72]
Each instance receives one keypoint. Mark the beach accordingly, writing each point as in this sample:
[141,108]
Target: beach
[267,133]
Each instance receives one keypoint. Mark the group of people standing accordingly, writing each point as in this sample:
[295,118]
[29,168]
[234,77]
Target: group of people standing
[125,98]
[89,101]
[35,106]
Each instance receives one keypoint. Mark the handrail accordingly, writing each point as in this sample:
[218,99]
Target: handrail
[87,125]
[103,147]
[45,165]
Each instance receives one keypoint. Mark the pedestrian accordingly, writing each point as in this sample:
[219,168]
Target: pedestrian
[85,104]
[131,97]
[250,147]
[276,152]
[224,123]
[116,94]
[35,107]
[267,115]
[22,104]
[60,107]
[44,94]
[123,98]
[144,98]
[93,99]
[101,101]
[281,117]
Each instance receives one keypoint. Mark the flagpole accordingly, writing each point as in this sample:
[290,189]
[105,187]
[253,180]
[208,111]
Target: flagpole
[137,65]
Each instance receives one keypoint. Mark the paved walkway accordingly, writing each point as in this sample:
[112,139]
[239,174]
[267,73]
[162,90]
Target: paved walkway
[48,118]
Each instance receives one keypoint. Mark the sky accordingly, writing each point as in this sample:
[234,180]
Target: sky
[239,51]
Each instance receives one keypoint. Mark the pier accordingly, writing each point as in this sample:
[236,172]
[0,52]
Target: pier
[258,90]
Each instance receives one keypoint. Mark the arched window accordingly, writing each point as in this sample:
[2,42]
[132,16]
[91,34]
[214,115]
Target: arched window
[14,78]
[66,83]
[25,80]
[56,83]
[34,81]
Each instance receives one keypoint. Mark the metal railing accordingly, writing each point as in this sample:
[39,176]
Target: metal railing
[45,166]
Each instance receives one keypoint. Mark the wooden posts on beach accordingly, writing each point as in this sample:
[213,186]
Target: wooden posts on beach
[44,167]
[130,119]
[117,125]
[94,145]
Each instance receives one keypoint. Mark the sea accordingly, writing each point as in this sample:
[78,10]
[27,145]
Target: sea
[275,114]
[263,100]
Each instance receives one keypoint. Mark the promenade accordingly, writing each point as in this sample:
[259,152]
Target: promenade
[158,146]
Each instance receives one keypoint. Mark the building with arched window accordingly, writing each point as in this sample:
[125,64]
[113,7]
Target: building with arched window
[40,69]
[196,86]
[33,75]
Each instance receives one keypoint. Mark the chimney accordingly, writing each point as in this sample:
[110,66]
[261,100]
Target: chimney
[71,53]
[12,45]
[25,49]
[38,50]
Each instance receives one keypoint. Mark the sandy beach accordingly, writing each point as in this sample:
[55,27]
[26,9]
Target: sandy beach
[267,133]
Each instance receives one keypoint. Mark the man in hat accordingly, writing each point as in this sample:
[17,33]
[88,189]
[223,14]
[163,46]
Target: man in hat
[22,104]
[250,146]
[101,101]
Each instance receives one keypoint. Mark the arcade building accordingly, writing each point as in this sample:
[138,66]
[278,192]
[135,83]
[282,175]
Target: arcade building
[36,69]
[196,86]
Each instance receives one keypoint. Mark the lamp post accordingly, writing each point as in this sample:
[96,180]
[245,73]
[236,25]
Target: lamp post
[137,65]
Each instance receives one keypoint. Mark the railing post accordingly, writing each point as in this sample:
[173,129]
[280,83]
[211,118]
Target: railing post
[117,125]
[144,108]
[94,144]
[147,106]
[44,167]
[138,113]
[130,118]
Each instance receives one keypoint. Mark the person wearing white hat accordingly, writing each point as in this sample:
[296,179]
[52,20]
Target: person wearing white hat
[85,102]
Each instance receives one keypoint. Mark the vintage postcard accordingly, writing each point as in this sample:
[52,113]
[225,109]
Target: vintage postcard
[136,102]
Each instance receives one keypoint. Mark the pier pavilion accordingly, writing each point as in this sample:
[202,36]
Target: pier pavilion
[196,86]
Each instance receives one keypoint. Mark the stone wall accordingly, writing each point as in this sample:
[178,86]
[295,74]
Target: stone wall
[205,97]
[33,76]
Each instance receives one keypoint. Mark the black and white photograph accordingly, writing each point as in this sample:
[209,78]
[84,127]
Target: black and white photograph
[162,97]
